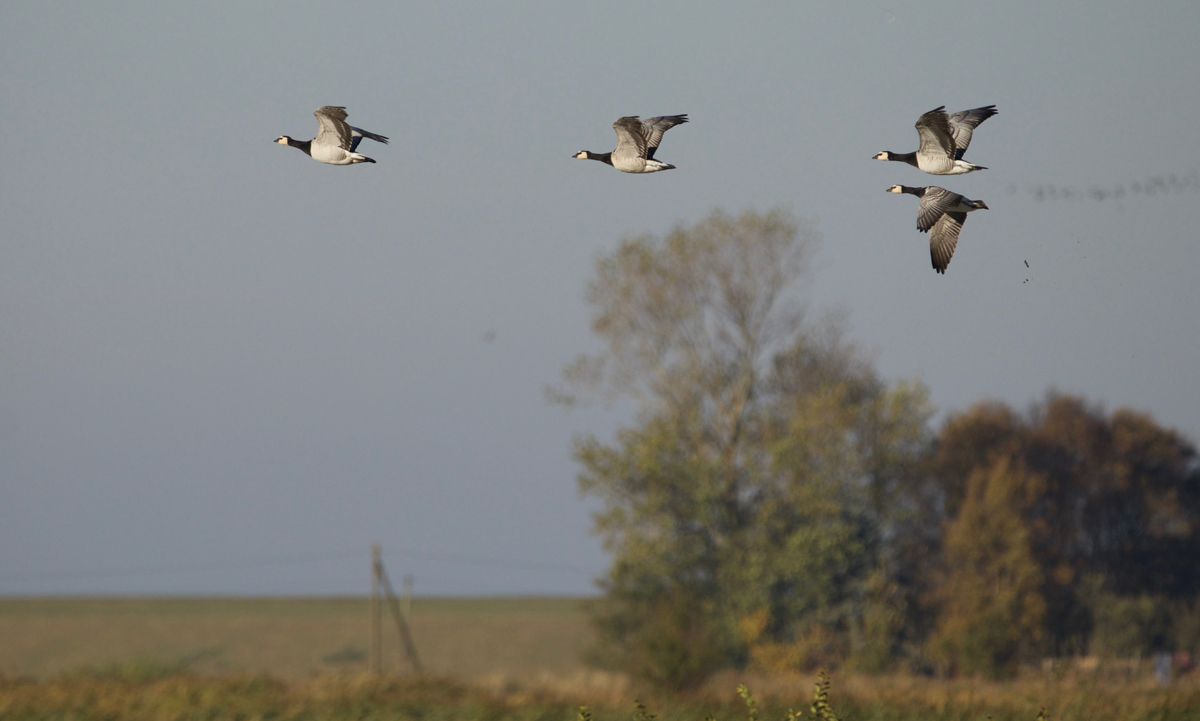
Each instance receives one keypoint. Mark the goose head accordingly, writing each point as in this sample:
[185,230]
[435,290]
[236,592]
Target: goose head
[894,188]
[581,155]
[283,140]
[885,155]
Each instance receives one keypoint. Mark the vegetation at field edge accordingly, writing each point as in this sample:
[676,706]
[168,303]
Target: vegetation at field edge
[146,691]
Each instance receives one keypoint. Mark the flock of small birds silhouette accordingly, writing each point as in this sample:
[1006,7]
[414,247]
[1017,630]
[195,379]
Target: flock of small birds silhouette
[1156,185]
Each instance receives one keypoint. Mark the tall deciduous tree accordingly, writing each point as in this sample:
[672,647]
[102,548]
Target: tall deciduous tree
[993,612]
[745,506]
[1117,516]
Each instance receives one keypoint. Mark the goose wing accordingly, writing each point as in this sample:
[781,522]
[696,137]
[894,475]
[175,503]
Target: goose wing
[359,134]
[937,137]
[964,122]
[943,239]
[333,128]
[631,141]
[934,204]
[653,129]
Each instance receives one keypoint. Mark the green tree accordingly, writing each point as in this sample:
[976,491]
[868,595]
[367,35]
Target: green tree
[993,612]
[745,506]
[1129,626]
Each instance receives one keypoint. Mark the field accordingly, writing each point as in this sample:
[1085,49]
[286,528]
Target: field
[472,639]
[493,659]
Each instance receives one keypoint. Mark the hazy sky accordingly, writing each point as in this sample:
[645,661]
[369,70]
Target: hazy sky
[227,368]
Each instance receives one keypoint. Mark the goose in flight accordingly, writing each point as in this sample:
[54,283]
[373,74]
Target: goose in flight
[942,215]
[944,139]
[636,142]
[336,141]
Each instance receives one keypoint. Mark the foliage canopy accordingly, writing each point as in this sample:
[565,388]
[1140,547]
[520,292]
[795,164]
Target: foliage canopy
[775,504]
[743,507]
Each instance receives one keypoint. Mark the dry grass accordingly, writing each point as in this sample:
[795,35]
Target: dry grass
[289,638]
[1084,696]
[132,694]
[304,659]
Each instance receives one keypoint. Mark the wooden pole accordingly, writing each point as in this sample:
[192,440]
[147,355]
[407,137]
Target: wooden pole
[406,639]
[376,615]
[406,598]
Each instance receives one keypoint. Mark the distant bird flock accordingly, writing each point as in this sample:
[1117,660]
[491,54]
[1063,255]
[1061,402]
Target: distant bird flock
[1154,185]
[944,139]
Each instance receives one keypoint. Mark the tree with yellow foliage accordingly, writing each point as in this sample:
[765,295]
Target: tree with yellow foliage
[992,609]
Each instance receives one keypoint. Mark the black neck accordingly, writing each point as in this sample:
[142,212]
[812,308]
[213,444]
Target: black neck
[602,157]
[305,145]
[910,158]
[919,192]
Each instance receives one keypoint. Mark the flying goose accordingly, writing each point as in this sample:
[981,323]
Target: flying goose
[336,141]
[944,139]
[942,214]
[636,142]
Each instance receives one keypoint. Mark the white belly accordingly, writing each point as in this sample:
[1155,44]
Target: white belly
[937,165]
[629,165]
[334,155]
[643,166]
[942,165]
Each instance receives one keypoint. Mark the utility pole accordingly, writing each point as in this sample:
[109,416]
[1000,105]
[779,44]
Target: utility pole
[381,582]
[406,597]
[376,615]
[406,639]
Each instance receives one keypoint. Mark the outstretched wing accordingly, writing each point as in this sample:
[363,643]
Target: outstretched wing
[653,129]
[943,239]
[631,142]
[936,133]
[333,127]
[964,122]
[934,204]
[359,134]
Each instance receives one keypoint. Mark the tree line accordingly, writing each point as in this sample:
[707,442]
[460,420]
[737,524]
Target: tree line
[775,504]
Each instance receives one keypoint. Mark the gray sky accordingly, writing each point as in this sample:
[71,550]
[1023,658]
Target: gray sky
[226,368]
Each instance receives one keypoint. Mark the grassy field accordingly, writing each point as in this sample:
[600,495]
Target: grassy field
[117,694]
[509,658]
[289,638]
